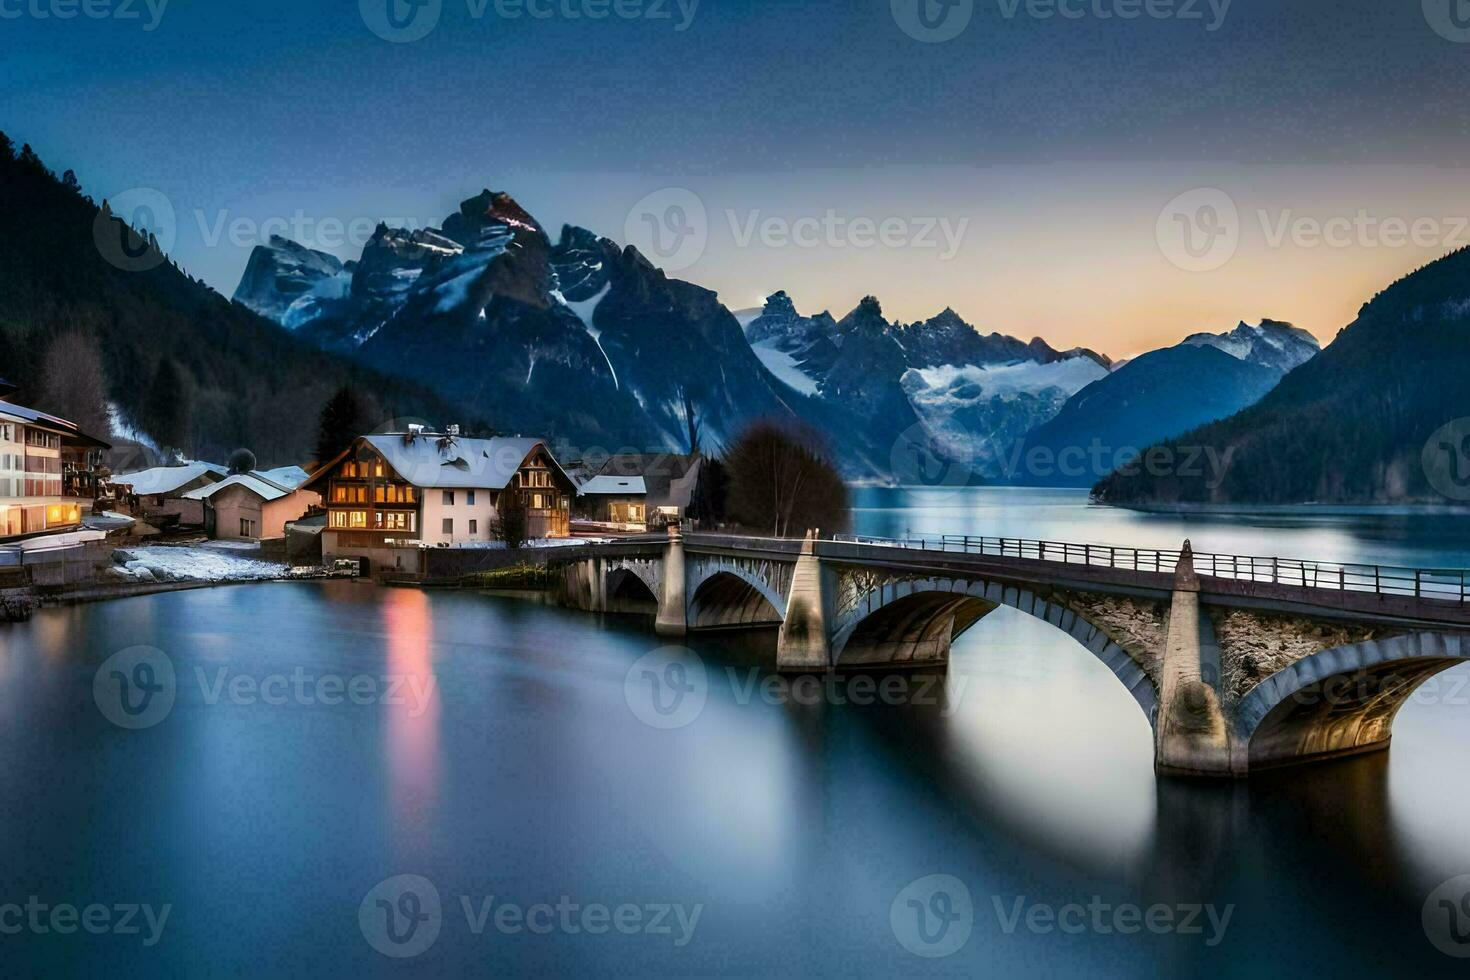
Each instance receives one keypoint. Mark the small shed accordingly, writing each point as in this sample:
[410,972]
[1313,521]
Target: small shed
[251,506]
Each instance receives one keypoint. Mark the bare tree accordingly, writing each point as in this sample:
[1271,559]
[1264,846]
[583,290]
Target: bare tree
[73,384]
[782,481]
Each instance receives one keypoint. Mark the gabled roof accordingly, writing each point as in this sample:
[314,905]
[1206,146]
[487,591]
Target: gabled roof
[167,479]
[257,483]
[431,461]
[613,485]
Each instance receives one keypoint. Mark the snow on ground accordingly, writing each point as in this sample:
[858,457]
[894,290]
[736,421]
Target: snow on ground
[118,423]
[785,368]
[537,543]
[164,564]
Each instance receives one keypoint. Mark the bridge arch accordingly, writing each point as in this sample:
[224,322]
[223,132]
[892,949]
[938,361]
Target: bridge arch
[925,615]
[1341,701]
[725,598]
[712,577]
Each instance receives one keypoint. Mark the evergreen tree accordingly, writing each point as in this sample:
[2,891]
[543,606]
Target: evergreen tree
[344,418]
[166,403]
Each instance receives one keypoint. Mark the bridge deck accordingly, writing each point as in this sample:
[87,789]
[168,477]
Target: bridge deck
[1437,598]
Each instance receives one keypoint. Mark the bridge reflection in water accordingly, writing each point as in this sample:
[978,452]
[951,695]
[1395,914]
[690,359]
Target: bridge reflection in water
[1239,663]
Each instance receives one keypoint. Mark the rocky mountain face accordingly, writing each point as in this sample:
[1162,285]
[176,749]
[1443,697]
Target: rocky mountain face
[578,338]
[976,395]
[1156,396]
[1378,417]
[283,280]
[1271,344]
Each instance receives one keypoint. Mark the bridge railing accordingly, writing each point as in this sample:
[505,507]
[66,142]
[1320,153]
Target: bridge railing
[1443,585]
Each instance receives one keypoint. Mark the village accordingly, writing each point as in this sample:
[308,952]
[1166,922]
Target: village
[401,506]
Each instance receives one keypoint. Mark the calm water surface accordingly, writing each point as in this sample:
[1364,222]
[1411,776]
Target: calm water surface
[524,774]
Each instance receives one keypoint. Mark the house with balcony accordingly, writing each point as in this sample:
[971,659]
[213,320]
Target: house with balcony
[389,496]
[48,472]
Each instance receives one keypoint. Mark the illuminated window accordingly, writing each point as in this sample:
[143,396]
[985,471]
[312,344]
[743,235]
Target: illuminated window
[357,518]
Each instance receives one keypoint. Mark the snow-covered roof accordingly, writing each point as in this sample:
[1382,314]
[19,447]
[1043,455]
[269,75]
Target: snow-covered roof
[167,479]
[257,483]
[290,477]
[628,485]
[469,464]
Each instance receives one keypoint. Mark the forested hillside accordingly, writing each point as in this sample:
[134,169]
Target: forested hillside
[186,366]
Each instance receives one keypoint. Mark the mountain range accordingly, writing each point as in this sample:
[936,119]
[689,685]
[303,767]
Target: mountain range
[1157,395]
[589,340]
[1382,415]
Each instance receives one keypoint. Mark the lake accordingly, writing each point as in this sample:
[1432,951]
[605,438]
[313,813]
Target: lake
[318,741]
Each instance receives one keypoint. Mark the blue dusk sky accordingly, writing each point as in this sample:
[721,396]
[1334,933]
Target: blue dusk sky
[1112,173]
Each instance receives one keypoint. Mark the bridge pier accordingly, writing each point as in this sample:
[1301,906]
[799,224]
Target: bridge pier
[1191,734]
[804,644]
[673,610]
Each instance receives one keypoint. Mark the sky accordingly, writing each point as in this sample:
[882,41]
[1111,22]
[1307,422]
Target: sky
[1113,174]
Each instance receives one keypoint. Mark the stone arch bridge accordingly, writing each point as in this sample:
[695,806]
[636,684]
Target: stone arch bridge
[1238,663]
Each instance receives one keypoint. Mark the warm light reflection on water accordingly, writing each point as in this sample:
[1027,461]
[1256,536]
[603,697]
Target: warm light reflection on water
[412,725]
